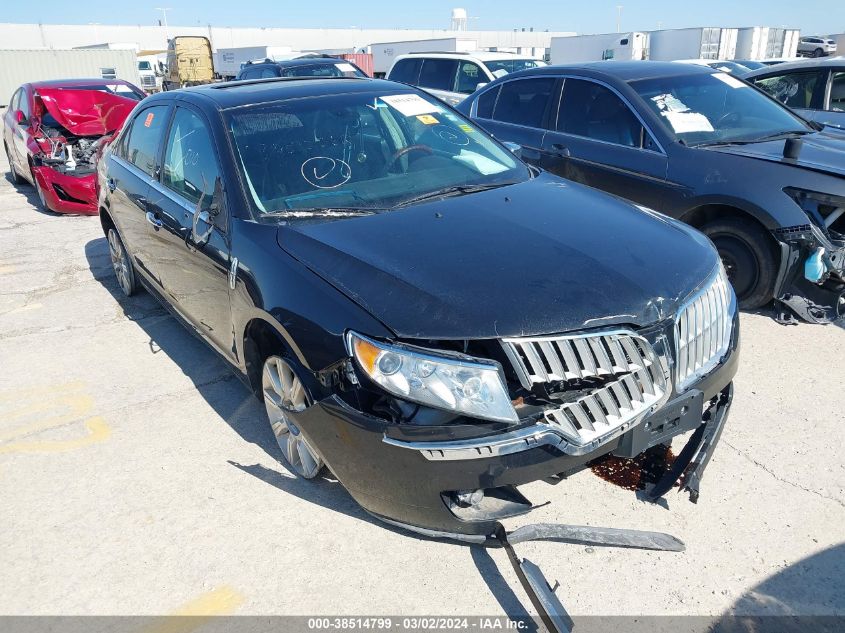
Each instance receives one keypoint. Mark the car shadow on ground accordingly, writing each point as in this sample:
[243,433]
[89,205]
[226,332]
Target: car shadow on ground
[805,596]
[230,398]
[28,191]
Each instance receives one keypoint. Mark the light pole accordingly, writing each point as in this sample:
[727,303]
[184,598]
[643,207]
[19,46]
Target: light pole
[164,11]
[619,8]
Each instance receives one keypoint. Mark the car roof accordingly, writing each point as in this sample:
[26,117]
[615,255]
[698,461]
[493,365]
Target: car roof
[72,83]
[297,61]
[807,64]
[233,94]
[622,70]
[482,56]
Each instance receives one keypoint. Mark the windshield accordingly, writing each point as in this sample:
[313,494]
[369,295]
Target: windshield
[144,66]
[715,108]
[121,90]
[361,152]
[323,69]
[501,67]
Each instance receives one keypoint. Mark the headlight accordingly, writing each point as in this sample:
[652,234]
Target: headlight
[476,388]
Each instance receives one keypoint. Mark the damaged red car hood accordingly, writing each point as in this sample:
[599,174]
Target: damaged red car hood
[86,112]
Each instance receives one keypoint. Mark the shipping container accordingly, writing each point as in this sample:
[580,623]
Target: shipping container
[698,43]
[23,66]
[364,61]
[384,53]
[590,48]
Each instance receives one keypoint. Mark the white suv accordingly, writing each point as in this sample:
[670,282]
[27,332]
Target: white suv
[816,46]
[452,76]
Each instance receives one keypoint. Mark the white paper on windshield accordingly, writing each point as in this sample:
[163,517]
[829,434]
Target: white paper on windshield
[500,73]
[733,82]
[410,105]
[683,122]
[481,164]
[345,68]
[670,102]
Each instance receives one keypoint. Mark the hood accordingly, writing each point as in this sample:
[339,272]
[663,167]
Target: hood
[86,112]
[540,257]
[821,151]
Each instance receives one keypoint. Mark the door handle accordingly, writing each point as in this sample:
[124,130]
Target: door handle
[112,185]
[561,150]
[152,219]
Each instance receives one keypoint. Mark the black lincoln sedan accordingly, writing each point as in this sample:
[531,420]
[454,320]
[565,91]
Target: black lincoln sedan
[699,145]
[420,311]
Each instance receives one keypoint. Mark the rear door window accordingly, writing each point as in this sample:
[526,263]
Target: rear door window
[794,90]
[591,110]
[469,76]
[438,74]
[142,145]
[406,71]
[524,101]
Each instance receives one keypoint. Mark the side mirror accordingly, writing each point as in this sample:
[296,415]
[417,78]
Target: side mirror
[20,117]
[207,216]
[514,148]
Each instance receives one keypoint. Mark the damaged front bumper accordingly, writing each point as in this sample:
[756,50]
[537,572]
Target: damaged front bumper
[66,193]
[427,486]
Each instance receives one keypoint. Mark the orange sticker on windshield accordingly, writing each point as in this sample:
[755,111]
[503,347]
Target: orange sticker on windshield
[427,119]
[149,120]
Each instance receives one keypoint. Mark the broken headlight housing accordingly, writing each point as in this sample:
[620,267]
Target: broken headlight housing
[825,210]
[473,387]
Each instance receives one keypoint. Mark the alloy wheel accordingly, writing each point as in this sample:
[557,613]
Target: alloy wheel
[120,262]
[284,393]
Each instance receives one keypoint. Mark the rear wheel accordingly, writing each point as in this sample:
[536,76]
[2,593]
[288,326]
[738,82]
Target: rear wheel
[748,257]
[122,265]
[284,393]
[17,179]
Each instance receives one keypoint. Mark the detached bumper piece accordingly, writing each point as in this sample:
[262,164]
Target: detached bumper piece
[539,591]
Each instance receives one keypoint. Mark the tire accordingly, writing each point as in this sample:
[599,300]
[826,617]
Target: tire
[749,258]
[42,200]
[121,263]
[17,179]
[283,392]
[818,53]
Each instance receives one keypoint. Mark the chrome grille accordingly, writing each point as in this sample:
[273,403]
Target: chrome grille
[703,330]
[633,380]
[147,81]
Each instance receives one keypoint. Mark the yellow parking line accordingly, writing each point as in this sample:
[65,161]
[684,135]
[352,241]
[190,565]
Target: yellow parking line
[98,431]
[220,601]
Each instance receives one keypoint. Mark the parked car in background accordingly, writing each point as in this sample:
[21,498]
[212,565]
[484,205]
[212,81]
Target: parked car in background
[344,244]
[452,76]
[815,89]
[54,131]
[734,68]
[699,145]
[300,67]
[815,46]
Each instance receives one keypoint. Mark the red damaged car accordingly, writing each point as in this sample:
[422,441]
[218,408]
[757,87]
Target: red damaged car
[53,132]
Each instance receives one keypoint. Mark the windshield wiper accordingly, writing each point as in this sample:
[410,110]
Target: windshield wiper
[760,139]
[451,191]
[319,212]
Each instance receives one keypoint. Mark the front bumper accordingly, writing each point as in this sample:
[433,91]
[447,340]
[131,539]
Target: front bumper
[413,483]
[66,193]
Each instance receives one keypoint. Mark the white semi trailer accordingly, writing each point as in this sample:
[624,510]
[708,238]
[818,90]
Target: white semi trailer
[697,43]
[385,53]
[763,42]
[590,48]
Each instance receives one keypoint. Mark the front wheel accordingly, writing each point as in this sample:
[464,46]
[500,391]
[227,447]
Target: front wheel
[818,53]
[749,259]
[284,393]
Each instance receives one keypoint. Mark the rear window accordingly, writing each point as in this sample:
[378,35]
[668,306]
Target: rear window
[406,71]
[486,102]
[438,74]
[523,101]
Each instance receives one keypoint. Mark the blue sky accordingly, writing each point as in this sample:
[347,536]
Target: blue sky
[597,16]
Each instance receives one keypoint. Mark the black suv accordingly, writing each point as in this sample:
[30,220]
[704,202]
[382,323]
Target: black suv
[300,67]
[419,310]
